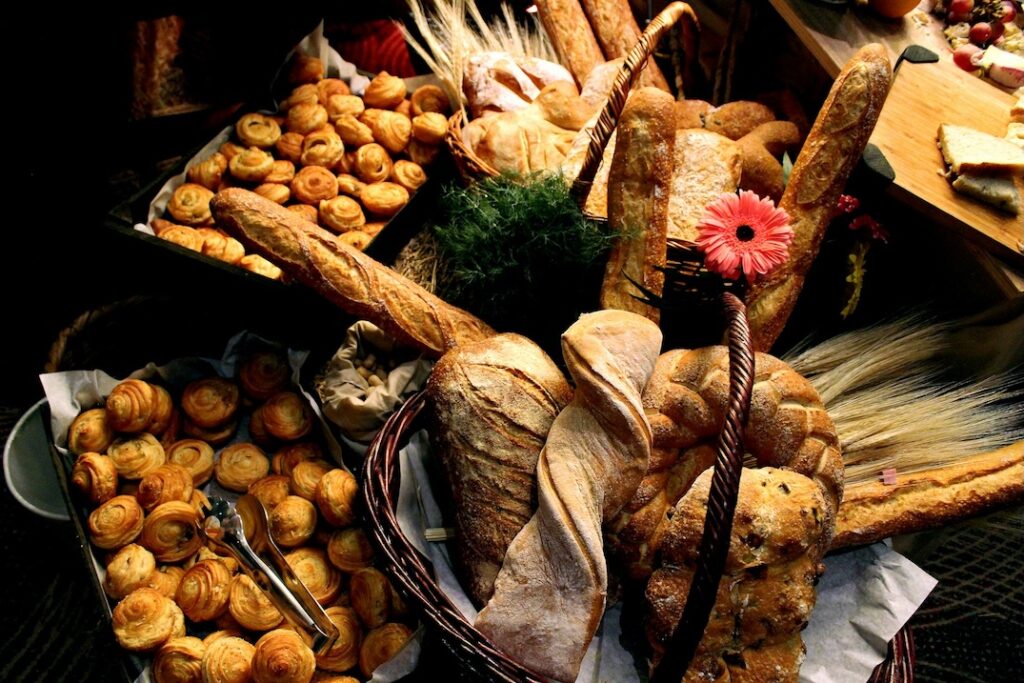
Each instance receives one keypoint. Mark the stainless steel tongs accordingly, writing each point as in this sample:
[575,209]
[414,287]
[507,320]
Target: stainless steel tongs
[242,529]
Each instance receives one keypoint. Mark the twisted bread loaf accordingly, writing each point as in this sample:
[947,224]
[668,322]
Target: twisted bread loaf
[346,276]
[767,590]
[685,402]
[494,402]
[550,593]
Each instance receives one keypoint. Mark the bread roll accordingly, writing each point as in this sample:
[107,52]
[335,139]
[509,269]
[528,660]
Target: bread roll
[570,33]
[638,201]
[706,166]
[353,281]
[493,401]
[550,593]
[829,155]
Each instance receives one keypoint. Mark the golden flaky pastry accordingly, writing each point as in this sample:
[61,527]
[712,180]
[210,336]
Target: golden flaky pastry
[344,653]
[429,98]
[271,490]
[385,91]
[171,532]
[408,174]
[282,657]
[95,476]
[90,432]
[322,148]
[305,69]
[291,455]
[384,199]
[341,214]
[329,87]
[145,620]
[306,117]
[130,406]
[255,263]
[293,521]
[179,660]
[240,465]
[380,645]
[430,128]
[392,131]
[204,590]
[263,374]
[306,211]
[250,606]
[313,184]
[194,455]
[282,171]
[306,476]
[211,401]
[183,236]
[208,172]
[370,594]
[275,192]
[219,245]
[335,496]
[286,415]
[228,660]
[129,568]
[216,436]
[169,482]
[252,165]
[316,573]
[289,147]
[257,130]
[372,163]
[354,133]
[136,456]
[190,204]
[349,550]
[166,579]
[349,185]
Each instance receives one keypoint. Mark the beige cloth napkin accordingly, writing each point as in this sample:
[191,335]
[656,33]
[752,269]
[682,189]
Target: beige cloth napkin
[349,401]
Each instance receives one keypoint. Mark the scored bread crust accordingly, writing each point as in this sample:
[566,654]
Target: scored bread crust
[617,32]
[829,154]
[550,593]
[345,276]
[873,511]
[493,403]
[638,201]
[570,33]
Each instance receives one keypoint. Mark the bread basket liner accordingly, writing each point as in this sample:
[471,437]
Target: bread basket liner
[70,392]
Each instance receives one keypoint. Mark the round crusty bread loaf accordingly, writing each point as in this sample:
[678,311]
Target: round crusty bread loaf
[685,401]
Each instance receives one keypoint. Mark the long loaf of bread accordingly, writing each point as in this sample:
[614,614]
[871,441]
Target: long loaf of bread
[617,32]
[493,402]
[347,277]
[574,41]
[550,593]
[829,154]
[638,201]
[873,511]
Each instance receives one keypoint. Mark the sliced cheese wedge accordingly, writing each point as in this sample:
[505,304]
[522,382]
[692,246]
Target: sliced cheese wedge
[970,151]
[997,190]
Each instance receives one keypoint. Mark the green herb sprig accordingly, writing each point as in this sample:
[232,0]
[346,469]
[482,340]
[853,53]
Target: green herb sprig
[519,253]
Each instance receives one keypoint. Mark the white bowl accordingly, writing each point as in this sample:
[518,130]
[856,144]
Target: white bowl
[28,467]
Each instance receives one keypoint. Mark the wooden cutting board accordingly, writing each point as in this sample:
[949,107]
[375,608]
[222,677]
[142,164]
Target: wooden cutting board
[922,97]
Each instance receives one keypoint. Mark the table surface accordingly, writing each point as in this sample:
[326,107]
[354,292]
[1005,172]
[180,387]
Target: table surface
[833,33]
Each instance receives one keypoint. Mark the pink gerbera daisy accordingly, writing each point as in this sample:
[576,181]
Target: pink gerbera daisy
[744,233]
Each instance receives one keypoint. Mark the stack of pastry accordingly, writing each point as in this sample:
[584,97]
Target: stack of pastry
[142,464]
[344,162]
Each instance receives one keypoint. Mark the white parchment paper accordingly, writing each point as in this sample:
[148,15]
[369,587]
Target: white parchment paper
[864,598]
[69,393]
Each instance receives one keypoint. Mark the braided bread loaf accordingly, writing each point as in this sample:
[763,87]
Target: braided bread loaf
[550,593]
[685,402]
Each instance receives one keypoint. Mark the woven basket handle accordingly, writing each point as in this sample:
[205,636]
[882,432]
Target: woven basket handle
[725,484]
[631,67]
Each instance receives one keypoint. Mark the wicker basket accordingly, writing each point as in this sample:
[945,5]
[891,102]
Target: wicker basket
[472,168]
[408,569]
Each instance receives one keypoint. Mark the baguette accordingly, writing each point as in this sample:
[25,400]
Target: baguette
[638,201]
[832,149]
[494,402]
[617,32]
[550,593]
[873,511]
[574,41]
[345,276]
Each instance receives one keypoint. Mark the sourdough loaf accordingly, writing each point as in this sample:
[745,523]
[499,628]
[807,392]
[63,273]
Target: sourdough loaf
[493,403]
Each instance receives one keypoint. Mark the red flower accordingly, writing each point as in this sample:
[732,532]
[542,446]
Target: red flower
[847,203]
[865,221]
[744,233]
